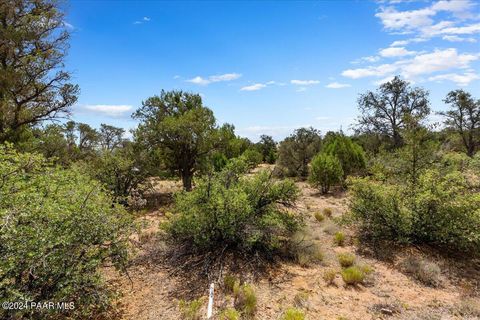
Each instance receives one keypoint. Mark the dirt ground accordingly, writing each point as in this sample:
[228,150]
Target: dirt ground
[153,289]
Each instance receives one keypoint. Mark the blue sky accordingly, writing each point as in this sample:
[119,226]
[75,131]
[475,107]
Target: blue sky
[267,67]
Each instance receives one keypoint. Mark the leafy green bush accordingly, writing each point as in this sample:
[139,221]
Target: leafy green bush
[252,157]
[353,275]
[346,259]
[57,228]
[325,171]
[351,155]
[228,209]
[293,314]
[441,210]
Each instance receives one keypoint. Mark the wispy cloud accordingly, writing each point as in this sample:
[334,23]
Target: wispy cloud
[395,52]
[143,20]
[109,110]
[337,85]
[215,78]
[459,79]
[454,38]
[253,87]
[304,82]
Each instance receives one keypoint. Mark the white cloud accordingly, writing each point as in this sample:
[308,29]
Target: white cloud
[146,19]
[215,78]
[110,110]
[405,20]
[395,52]
[470,29]
[458,39]
[459,79]
[304,82]
[336,85]
[301,89]
[370,59]
[143,20]
[401,43]
[253,87]
[422,64]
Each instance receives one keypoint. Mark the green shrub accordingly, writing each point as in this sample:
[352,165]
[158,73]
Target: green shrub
[229,282]
[293,314]
[219,161]
[190,310]
[329,276]
[352,275]
[346,259]
[351,155]
[245,299]
[319,216]
[339,239]
[246,213]
[441,210]
[229,314]
[58,227]
[327,212]
[325,171]
[252,157]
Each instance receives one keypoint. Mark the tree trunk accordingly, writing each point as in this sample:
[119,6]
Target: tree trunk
[187,180]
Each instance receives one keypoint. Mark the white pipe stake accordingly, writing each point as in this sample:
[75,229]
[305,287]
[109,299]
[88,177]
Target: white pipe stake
[210,302]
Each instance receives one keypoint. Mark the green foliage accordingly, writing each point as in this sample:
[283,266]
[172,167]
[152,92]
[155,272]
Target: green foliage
[252,157]
[339,239]
[442,211]
[238,211]
[57,228]
[219,161]
[296,152]
[190,310]
[352,275]
[268,148]
[229,314]
[346,259]
[245,299]
[180,128]
[293,314]
[325,171]
[319,216]
[229,282]
[351,155]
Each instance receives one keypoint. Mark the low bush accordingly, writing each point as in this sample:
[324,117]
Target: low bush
[58,227]
[190,310]
[229,282]
[427,272]
[319,216]
[352,275]
[245,299]
[252,157]
[346,259]
[329,276]
[339,239]
[228,209]
[325,171]
[229,314]
[293,314]
[441,210]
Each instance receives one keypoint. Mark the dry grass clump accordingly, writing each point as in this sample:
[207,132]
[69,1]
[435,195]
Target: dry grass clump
[330,228]
[293,314]
[427,272]
[346,259]
[229,282]
[353,275]
[329,276]
[306,250]
[301,299]
[245,299]
[339,239]
[190,310]
[229,314]
[327,212]
[468,307]
[319,216]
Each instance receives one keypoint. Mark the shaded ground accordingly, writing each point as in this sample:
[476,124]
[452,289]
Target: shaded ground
[156,287]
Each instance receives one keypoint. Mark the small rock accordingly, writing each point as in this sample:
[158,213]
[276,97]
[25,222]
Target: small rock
[386,311]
